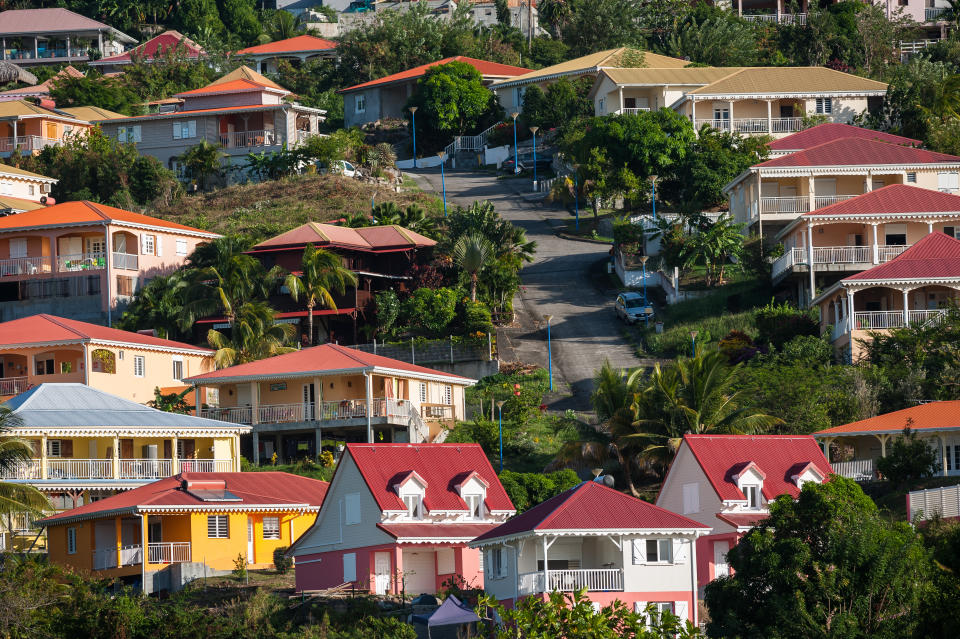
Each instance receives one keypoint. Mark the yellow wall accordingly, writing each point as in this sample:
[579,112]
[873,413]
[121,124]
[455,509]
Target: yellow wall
[158,372]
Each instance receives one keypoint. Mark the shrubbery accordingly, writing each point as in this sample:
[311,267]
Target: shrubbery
[908,459]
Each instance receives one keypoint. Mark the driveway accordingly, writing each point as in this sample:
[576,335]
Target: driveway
[584,330]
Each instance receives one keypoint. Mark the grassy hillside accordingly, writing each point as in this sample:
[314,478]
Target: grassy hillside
[265,209]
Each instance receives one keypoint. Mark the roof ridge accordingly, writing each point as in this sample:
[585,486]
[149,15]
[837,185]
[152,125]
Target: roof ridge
[350,354]
[562,504]
[96,210]
[316,227]
[58,321]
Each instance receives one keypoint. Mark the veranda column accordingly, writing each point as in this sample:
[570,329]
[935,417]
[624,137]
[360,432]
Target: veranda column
[730,128]
[851,313]
[254,403]
[693,111]
[770,116]
[43,457]
[943,454]
[546,581]
[906,311]
[813,278]
[620,93]
[175,459]
[876,245]
[811,193]
[929,227]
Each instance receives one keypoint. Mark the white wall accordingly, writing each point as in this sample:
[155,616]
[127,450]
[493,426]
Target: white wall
[686,470]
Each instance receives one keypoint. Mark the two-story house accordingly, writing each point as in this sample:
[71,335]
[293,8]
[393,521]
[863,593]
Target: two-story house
[592,537]
[166,43]
[297,49]
[207,519]
[293,400]
[243,112]
[22,190]
[54,36]
[397,519]
[726,482]
[41,349]
[912,288]
[751,101]
[771,194]
[29,127]
[380,257]
[85,259]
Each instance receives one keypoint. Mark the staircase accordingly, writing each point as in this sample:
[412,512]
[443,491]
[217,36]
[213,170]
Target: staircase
[471,144]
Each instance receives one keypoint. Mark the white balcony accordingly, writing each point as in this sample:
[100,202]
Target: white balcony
[309,412]
[14,385]
[79,469]
[596,580]
[59,469]
[168,552]
[104,558]
[858,469]
[824,256]
[145,468]
[25,266]
[126,261]
[26,143]
[881,320]
[779,18]
[932,14]
[206,465]
[789,204]
[247,139]
[631,110]
[753,125]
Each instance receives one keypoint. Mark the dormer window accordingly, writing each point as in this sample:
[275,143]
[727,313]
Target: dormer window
[414,504]
[752,494]
[474,506]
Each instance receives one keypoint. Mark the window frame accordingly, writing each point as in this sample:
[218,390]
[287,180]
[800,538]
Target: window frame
[177,363]
[360,103]
[274,531]
[54,448]
[752,493]
[475,509]
[181,247]
[415,508]
[824,106]
[660,556]
[216,520]
[139,366]
[72,540]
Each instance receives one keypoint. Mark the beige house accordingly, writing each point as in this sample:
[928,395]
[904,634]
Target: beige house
[770,195]
[294,400]
[22,190]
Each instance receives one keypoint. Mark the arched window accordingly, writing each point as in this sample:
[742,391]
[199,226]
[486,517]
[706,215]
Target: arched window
[104,361]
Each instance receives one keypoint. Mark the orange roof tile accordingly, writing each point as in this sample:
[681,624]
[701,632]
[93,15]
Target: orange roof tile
[486,69]
[297,43]
[234,86]
[43,328]
[70,213]
[369,238]
[932,416]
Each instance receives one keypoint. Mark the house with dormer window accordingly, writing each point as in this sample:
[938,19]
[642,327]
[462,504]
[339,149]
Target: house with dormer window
[398,517]
[726,482]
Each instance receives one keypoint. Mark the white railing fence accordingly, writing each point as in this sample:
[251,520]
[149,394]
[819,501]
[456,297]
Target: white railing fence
[878,320]
[79,469]
[858,469]
[126,261]
[593,579]
[168,552]
[14,385]
[820,201]
[23,470]
[753,125]
[788,204]
[308,411]
[25,266]
[631,110]
[841,254]
[145,468]
[926,504]
[104,558]
[206,465]
[781,18]
[81,261]
[241,139]
[887,253]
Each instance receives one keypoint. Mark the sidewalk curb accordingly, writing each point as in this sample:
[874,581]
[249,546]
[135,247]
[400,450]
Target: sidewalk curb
[588,240]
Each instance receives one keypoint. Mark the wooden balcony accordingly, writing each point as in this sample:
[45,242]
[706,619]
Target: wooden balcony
[248,139]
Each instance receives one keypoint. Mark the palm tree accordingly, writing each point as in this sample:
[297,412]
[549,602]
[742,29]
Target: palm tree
[202,160]
[254,335]
[471,253]
[323,272]
[715,245]
[16,499]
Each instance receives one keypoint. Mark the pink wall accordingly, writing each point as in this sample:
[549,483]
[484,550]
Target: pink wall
[705,556]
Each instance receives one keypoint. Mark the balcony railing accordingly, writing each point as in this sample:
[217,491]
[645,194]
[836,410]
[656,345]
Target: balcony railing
[126,261]
[781,18]
[934,502]
[79,469]
[206,465]
[436,411]
[820,201]
[23,470]
[67,469]
[25,266]
[82,262]
[244,139]
[145,468]
[308,412]
[880,320]
[104,558]
[26,143]
[596,580]
[28,54]
[887,253]
[168,552]
[753,125]
[858,469]
[14,385]
[631,110]
[790,204]
[932,14]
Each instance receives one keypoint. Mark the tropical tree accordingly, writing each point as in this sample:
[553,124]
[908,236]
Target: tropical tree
[714,245]
[202,161]
[471,253]
[158,305]
[16,499]
[254,335]
[323,274]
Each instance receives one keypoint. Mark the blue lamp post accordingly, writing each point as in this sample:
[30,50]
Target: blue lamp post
[500,408]
[533,130]
[443,183]
[549,350]
[576,199]
[646,316]
[413,112]
[693,343]
[516,156]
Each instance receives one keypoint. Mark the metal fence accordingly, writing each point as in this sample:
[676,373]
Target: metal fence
[432,351]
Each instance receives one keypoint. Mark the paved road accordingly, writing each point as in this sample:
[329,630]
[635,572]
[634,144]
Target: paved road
[584,329]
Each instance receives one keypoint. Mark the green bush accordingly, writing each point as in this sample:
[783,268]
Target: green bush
[777,324]
[388,309]
[908,459]
[529,489]
[430,312]
[476,318]
[281,561]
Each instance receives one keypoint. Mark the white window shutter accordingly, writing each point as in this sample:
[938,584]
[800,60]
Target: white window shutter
[176,131]
[158,243]
[640,607]
[680,610]
[192,125]
[639,551]
[679,551]
[349,567]
[137,133]
[143,244]
[121,134]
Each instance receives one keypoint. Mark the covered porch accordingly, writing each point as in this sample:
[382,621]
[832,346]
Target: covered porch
[855,455]
[568,563]
[241,130]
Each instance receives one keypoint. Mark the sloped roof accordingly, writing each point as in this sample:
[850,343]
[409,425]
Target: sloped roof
[935,256]
[592,506]
[367,238]
[892,199]
[234,86]
[21,108]
[723,456]
[440,532]
[44,87]
[743,520]
[295,44]
[859,152]
[159,44]
[326,358]
[610,58]
[19,204]
[283,490]
[9,169]
[442,466]
[922,417]
[70,213]
[92,113]
[671,75]
[780,80]
[244,72]
[41,21]
[486,69]
[77,405]
[49,329]
[829,131]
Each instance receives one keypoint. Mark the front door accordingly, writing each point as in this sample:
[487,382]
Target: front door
[381,571]
[249,540]
[720,566]
[786,110]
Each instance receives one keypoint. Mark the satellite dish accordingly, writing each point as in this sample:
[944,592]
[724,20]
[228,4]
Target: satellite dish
[608,481]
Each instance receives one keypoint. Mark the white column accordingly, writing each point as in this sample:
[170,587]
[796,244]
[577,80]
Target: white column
[770,117]
[35,53]
[876,245]
[869,184]
[116,456]
[731,114]
[739,7]
[254,403]
[693,111]
[620,92]
[43,457]
[175,461]
[906,307]
[369,383]
[851,312]
[812,193]
[929,227]
[813,279]
[546,547]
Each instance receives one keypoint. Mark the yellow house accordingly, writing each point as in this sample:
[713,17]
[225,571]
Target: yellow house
[166,533]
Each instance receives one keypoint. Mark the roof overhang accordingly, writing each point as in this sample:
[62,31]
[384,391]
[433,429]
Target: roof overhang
[592,532]
[784,95]
[100,342]
[506,84]
[229,429]
[848,169]
[150,117]
[56,520]
[132,225]
[953,282]
[376,370]
[816,219]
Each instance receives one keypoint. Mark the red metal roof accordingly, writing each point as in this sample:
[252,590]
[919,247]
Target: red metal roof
[83,211]
[40,329]
[935,256]
[833,131]
[486,69]
[896,198]
[296,44]
[440,532]
[160,44]
[442,466]
[266,488]
[367,238]
[859,152]
[743,520]
[317,359]
[723,456]
[592,506]
[932,416]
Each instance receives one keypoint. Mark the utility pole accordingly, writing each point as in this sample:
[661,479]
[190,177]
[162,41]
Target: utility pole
[529,25]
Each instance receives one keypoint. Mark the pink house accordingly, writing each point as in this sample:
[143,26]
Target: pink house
[397,519]
[726,482]
[85,260]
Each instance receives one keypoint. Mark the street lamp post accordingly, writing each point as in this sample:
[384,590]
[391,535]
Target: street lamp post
[443,183]
[646,316]
[533,130]
[500,408]
[576,199]
[413,112]
[693,343]
[549,350]
[516,155]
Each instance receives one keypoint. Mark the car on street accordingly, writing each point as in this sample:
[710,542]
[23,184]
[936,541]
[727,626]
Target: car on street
[631,309]
[543,163]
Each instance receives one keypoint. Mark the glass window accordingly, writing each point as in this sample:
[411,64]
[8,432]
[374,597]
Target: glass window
[752,494]
[71,541]
[361,103]
[659,551]
[414,504]
[423,393]
[271,528]
[178,369]
[475,506]
[825,105]
[217,527]
[149,244]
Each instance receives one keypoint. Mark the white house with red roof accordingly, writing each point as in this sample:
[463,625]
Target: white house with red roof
[771,194]
[299,48]
[85,259]
[913,288]
[592,537]
[726,482]
[243,112]
[397,519]
[294,400]
[167,43]
[387,97]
